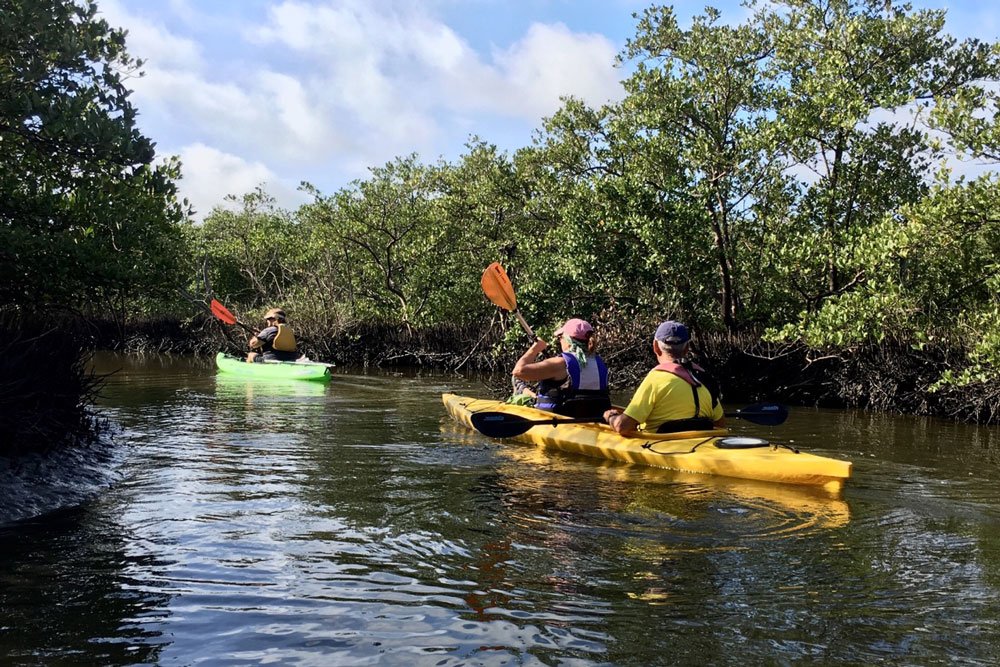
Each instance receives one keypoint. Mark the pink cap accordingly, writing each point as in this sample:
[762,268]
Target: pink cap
[575,328]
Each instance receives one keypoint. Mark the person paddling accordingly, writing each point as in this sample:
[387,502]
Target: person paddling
[673,396]
[575,383]
[275,342]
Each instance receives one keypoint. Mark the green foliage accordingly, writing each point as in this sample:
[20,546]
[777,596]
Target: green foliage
[407,245]
[700,130]
[776,175]
[249,250]
[402,253]
[853,68]
[86,218]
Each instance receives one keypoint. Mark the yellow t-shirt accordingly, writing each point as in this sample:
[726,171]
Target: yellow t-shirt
[664,397]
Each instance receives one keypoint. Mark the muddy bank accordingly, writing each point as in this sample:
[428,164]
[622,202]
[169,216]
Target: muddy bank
[892,377]
[45,388]
[54,452]
[358,344]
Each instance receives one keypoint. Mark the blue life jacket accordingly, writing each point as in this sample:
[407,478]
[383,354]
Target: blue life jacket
[586,393]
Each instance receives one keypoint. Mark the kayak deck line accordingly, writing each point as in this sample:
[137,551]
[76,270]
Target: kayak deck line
[690,451]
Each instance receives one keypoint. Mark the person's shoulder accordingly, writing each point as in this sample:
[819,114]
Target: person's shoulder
[556,364]
[660,378]
[654,374]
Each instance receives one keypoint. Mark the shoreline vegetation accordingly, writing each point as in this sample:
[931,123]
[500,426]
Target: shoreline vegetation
[891,377]
[45,388]
[783,186]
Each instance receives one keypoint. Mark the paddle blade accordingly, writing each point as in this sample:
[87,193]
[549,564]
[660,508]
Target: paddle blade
[222,312]
[497,287]
[765,414]
[500,424]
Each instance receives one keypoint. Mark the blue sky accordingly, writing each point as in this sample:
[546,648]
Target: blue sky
[276,92]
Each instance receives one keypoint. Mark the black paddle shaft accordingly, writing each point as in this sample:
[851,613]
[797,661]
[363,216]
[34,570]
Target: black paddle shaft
[508,425]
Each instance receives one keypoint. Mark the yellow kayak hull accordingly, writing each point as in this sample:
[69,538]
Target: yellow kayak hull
[689,451]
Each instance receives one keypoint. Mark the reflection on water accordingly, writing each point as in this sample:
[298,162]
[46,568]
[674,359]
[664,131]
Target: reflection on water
[767,509]
[66,595]
[353,524]
[234,387]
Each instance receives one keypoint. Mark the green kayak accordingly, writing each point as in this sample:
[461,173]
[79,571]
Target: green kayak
[274,370]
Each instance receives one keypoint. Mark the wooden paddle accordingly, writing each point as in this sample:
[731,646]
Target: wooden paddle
[497,287]
[507,425]
[223,314]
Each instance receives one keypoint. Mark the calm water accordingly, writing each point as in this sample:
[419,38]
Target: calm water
[355,524]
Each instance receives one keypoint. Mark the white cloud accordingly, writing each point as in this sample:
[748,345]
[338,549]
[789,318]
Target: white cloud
[327,89]
[150,40]
[550,62]
[270,115]
[209,175]
[298,118]
[388,61]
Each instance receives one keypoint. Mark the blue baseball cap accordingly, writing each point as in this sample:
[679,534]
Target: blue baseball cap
[672,332]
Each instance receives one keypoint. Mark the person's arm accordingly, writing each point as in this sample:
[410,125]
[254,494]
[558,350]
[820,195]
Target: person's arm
[627,421]
[529,370]
[621,422]
[522,388]
[263,336]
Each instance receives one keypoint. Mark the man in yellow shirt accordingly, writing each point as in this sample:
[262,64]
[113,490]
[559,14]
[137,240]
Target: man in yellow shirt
[671,397]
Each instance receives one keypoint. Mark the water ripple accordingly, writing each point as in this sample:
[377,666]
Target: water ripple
[352,524]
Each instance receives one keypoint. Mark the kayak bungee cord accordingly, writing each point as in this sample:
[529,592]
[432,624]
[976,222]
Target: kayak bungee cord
[649,446]
[722,444]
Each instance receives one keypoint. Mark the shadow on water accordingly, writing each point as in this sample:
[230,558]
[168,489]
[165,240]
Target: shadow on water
[67,596]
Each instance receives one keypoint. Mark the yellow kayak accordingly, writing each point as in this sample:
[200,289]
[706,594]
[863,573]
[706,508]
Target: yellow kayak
[711,452]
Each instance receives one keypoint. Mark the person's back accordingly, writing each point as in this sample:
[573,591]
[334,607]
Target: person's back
[575,383]
[671,397]
[583,393]
[276,341]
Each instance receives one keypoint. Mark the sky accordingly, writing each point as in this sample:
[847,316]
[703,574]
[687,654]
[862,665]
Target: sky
[276,92]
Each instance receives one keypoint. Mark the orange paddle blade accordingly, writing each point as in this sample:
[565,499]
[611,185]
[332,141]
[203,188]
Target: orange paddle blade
[222,313]
[497,287]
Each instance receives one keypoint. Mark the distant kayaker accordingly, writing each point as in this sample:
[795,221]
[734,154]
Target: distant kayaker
[276,341]
[575,383]
[671,397]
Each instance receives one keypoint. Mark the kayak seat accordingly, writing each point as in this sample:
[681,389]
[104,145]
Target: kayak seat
[584,406]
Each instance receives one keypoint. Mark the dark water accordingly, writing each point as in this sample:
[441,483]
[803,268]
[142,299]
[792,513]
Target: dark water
[354,524]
